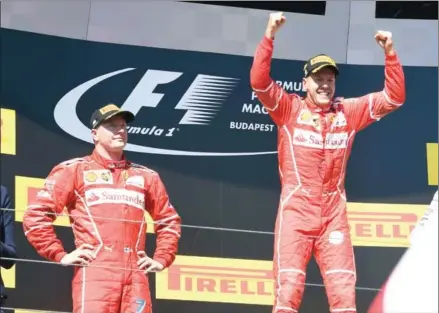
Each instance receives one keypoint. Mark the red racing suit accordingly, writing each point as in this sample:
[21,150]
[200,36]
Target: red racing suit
[313,150]
[106,202]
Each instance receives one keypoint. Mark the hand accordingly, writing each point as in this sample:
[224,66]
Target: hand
[275,22]
[145,262]
[81,256]
[384,40]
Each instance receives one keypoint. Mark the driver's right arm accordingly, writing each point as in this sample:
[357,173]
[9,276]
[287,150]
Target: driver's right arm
[278,103]
[58,192]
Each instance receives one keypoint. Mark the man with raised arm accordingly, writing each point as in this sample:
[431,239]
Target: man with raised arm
[315,137]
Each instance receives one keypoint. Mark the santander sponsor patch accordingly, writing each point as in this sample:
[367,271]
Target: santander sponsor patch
[336,141]
[118,196]
[311,139]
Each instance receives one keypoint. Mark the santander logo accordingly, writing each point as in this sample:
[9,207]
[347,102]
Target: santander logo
[311,139]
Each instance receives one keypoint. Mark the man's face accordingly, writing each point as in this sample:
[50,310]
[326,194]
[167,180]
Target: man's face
[320,86]
[112,134]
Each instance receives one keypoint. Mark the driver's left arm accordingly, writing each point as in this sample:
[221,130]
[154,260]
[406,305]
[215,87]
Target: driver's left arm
[365,110]
[167,222]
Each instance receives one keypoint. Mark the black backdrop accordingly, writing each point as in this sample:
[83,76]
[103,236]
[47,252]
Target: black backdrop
[388,163]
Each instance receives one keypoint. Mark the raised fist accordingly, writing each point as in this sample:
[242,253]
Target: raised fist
[384,40]
[275,22]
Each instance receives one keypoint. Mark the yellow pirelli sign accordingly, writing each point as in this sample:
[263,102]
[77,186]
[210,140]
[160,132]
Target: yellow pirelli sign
[382,224]
[432,163]
[8,277]
[8,133]
[204,279]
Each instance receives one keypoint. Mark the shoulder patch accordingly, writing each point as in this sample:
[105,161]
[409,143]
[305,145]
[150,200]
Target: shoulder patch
[139,167]
[72,161]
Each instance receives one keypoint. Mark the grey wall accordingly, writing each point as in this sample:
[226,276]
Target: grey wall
[345,32]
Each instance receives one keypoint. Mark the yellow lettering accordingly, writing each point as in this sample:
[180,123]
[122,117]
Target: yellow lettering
[110,107]
[7,141]
[9,277]
[322,58]
[432,163]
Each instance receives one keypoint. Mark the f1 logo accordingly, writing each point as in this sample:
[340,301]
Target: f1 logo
[201,101]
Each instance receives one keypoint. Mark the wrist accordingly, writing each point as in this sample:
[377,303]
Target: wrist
[59,256]
[162,261]
[389,52]
[269,34]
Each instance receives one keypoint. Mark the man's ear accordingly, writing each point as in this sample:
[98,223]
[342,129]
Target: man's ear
[304,86]
[94,135]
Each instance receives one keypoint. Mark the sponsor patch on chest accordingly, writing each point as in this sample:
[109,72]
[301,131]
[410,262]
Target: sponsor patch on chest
[95,177]
[138,181]
[115,196]
[335,120]
[311,139]
[305,117]
[339,120]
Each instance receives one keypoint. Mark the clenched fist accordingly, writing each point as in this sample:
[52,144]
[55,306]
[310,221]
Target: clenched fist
[275,22]
[384,39]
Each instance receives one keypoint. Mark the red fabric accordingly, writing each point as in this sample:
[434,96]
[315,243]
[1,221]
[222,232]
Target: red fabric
[314,146]
[377,305]
[106,201]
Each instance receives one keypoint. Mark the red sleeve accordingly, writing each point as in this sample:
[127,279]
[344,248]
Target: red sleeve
[278,103]
[377,305]
[167,224]
[365,110]
[58,192]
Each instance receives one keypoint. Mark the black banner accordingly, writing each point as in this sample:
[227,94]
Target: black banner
[219,164]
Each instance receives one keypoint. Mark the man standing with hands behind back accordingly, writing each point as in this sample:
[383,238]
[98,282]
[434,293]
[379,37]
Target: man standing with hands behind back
[106,197]
[315,136]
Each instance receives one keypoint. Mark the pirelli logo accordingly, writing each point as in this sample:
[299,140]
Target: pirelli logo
[8,276]
[383,225]
[432,163]
[26,189]
[217,280]
[108,108]
[7,131]
[322,58]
